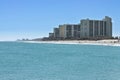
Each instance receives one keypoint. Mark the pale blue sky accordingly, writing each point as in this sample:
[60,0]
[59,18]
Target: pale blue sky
[36,18]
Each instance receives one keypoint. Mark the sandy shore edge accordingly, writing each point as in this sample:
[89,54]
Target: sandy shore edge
[87,42]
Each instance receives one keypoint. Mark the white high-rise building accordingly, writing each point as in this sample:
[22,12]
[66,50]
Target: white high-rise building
[94,29]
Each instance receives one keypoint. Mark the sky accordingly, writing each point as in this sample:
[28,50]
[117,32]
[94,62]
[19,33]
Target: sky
[36,18]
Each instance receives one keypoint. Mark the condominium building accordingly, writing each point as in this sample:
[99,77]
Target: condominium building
[51,35]
[56,33]
[86,29]
[92,29]
[69,31]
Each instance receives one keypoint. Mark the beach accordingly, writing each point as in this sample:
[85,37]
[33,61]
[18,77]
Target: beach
[109,42]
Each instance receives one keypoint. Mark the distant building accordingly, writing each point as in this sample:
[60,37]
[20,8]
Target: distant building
[93,29]
[51,35]
[69,31]
[86,29]
[56,33]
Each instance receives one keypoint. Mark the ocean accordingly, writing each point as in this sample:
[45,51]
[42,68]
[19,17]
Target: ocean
[41,61]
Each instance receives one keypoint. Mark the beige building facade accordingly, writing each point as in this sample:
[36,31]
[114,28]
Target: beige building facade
[69,31]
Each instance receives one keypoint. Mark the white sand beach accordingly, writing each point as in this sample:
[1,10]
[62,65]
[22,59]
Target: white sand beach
[109,42]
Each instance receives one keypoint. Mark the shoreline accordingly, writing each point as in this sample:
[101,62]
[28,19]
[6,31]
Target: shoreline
[84,42]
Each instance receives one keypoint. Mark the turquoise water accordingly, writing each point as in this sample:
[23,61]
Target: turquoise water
[31,61]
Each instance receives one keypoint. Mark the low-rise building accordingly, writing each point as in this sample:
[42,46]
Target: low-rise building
[51,35]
